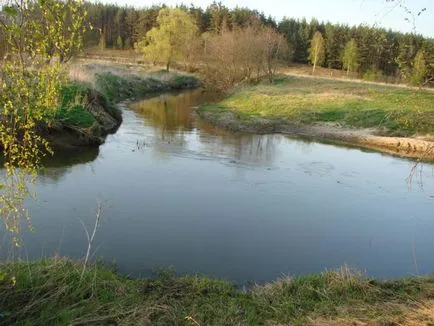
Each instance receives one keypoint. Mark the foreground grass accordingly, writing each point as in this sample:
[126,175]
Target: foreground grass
[53,292]
[396,111]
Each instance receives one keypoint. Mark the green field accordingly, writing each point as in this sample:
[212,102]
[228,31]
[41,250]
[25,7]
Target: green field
[393,111]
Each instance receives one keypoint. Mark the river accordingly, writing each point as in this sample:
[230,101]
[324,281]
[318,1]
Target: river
[178,192]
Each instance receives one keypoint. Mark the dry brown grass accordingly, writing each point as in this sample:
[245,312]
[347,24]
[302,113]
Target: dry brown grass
[420,315]
[85,70]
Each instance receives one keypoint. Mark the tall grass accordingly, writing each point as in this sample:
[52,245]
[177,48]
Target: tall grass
[54,292]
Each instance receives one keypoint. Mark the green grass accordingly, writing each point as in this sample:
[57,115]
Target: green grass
[74,99]
[72,109]
[52,292]
[399,111]
[117,88]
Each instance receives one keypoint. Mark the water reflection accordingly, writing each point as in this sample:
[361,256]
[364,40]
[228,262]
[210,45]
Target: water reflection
[244,207]
[171,114]
[62,162]
[168,112]
[176,129]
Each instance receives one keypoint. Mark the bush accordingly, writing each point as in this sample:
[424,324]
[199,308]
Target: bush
[373,75]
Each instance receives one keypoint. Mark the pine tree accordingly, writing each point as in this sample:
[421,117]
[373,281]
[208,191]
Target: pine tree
[119,42]
[128,44]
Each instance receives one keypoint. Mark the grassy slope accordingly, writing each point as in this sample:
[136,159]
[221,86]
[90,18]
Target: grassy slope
[118,88]
[113,89]
[50,292]
[400,111]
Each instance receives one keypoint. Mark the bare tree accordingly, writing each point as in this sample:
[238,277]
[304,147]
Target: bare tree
[243,54]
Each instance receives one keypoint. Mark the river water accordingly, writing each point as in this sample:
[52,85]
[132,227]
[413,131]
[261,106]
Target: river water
[178,192]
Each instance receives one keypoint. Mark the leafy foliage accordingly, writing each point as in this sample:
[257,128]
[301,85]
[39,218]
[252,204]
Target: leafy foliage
[30,84]
[382,52]
[316,50]
[169,42]
[350,56]
[419,70]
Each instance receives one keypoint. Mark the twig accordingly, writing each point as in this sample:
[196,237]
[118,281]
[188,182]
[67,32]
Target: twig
[192,320]
[90,238]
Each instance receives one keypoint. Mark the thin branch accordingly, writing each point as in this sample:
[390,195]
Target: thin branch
[98,214]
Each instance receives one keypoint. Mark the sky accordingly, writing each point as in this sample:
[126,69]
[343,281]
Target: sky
[351,12]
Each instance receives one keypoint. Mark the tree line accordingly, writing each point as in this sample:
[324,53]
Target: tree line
[380,52]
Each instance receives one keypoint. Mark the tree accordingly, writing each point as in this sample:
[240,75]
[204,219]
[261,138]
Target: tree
[168,42]
[316,50]
[350,56]
[127,44]
[419,70]
[243,54]
[380,50]
[275,50]
[102,44]
[64,21]
[30,85]
[428,48]
[219,16]
[119,43]
[409,45]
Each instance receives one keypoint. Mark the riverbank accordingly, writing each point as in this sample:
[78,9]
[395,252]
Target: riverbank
[89,111]
[389,119]
[55,292]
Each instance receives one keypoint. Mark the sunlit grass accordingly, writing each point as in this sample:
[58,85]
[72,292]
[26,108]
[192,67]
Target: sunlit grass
[305,100]
[117,87]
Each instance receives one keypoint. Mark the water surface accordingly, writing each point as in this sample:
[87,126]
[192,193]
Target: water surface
[178,192]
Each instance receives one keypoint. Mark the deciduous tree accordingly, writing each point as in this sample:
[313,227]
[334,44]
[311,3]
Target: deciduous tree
[419,69]
[169,41]
[350,57]
[30,85]
[316,50]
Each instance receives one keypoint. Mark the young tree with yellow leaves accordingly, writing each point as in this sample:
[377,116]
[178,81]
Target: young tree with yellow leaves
[170,40]
[316,50]
[31,77]
[350,57]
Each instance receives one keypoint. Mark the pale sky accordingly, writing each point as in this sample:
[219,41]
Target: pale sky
[351,12]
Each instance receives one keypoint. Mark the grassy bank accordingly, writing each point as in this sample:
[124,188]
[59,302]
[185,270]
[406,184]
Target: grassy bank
[120,82]
[105,86]
[52,292]
[391,111]
[88,110]
[84,117]
[75,99]
[122,87]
